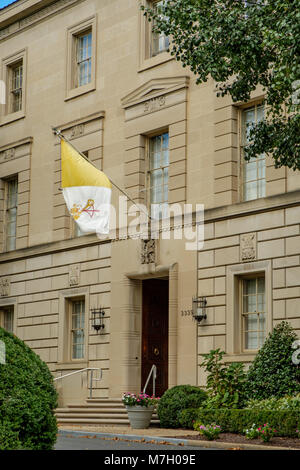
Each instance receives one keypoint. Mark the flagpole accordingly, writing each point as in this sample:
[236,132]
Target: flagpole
[61,136]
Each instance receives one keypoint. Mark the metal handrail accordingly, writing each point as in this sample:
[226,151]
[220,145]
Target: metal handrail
[152,371]
[87,369]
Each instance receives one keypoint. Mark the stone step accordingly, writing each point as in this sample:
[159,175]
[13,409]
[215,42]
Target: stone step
[124,421]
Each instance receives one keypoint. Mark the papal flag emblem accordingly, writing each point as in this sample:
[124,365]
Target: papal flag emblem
[87,191]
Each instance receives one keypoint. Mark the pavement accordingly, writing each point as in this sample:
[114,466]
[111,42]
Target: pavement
[155,434]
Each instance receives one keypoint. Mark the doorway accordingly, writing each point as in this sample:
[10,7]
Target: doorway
[155,333]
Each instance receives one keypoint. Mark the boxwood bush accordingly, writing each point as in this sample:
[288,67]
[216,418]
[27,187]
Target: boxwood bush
[176,399]
[236,421]
[272,372]
[27,398]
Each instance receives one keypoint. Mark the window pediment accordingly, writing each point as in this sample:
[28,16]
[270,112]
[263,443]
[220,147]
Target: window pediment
[154,88]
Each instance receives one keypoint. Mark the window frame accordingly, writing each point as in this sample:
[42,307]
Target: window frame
[242,162]
[73,33]
[146,60]
[4,309]
[149,171]
[8,64]
[242,279]
[7,181]
[234,274]
[72,329]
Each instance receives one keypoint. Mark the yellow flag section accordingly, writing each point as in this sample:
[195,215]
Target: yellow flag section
[87,191]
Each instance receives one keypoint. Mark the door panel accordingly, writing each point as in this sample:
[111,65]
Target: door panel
[155,333]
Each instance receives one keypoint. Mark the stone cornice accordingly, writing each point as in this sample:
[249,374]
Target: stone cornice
[28,13]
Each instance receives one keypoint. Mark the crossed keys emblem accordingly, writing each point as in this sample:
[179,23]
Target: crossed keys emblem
[89,208]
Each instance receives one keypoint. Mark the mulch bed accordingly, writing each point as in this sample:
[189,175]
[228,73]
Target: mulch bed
[293,443]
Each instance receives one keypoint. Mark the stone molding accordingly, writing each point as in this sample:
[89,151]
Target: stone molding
[31,19]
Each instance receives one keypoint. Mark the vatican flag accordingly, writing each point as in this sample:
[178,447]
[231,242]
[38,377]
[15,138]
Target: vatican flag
[87,191]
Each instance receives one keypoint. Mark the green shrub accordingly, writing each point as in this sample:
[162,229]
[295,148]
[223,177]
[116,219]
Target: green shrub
[225,382]
[272,372]
[187,418]
[177,399]
[27,398]
[286,422]
[273,403]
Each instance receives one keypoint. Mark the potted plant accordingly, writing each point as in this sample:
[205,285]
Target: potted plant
[139,408]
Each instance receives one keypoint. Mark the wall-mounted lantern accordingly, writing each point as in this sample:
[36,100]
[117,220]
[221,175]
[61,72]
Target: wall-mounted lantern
[199,308]
[97,319]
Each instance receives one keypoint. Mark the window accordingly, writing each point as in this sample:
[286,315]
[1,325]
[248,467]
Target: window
[159,42]
[83,58]
[13,75]
[81,61]
[253,313]
[77,328]
[16,84]
[11,188]
[254,171]
[158,174]
[7,318]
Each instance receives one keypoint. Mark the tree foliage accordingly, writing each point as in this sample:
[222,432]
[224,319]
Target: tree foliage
[27,398]
[242,45]
[273,372]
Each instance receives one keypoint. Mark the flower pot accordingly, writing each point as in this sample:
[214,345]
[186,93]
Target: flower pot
[139,416]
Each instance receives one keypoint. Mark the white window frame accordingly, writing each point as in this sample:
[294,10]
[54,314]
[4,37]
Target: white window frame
[243,163]
[163,203]
[244,314]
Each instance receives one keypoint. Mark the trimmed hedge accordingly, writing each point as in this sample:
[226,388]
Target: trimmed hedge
[236,421]
[176,399]
[27,398]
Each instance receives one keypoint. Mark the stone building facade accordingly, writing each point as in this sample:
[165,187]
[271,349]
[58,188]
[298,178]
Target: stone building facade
[93,69]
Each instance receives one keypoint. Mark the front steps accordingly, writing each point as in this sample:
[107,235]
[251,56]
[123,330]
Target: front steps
[96,411]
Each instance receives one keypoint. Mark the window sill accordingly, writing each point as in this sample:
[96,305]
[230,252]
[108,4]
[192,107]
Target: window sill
[159,59]
[76,92]
[12,117]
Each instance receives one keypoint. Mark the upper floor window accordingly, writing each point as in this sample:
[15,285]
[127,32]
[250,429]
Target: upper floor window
[11,204]
[16,87]
[81,61]
[159,42]
[253,313]
[158,174]
[254,171]
[84,58]
[14,77]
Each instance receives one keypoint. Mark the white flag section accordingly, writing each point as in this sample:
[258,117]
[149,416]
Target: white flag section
[87,191]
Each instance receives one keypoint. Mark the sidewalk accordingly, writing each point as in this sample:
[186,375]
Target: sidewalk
[155,435]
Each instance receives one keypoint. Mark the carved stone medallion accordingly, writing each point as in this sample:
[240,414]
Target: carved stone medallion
[248,246]
[74,275]
[4,287]
[148,251]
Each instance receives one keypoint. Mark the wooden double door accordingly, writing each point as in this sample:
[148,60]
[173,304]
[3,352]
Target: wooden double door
[155,333]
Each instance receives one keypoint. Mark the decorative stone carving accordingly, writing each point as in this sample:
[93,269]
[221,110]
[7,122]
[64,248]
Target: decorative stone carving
[9,153]
[148,251]
[154,104]
[78,130]
[4,287]
[74,275]
[248,246]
